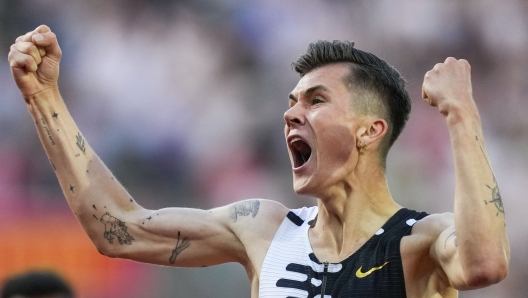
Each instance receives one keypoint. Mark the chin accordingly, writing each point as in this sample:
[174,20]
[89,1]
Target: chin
[305,187]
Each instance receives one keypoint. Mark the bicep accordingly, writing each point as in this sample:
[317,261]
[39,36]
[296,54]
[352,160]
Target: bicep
[181,237]
[445,253]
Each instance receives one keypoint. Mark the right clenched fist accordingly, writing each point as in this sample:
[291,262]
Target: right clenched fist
[34,61]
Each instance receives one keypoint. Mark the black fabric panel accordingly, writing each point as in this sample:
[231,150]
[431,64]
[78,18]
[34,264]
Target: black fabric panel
[379,251]
[295,218]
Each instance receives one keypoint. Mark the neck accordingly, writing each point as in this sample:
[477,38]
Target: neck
[353,210]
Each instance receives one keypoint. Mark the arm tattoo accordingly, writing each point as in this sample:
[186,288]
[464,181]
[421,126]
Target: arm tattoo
[180,246]
[115,227]
[80,143]
[45,126]
[496,198]
[451,235]
[244,209]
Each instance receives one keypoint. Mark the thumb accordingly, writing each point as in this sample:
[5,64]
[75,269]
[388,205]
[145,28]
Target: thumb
[47,41]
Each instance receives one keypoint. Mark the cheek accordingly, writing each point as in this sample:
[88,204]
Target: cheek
[337,144]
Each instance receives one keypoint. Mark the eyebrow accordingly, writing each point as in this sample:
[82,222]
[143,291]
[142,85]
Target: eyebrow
[310,91]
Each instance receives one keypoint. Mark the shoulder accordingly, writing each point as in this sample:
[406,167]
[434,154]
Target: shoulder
[424,233]
[433,225]
[256,218]
[419,266]
[257,211]
[255,222]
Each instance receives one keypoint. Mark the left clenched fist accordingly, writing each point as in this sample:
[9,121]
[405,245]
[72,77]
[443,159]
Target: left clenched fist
[448,86]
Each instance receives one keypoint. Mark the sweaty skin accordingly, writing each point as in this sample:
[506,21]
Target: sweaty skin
[445,252]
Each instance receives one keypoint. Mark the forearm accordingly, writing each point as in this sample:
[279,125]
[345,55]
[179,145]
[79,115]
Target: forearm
[89,187]
[479,213]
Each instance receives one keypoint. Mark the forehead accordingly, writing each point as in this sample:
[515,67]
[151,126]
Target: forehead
[330,76]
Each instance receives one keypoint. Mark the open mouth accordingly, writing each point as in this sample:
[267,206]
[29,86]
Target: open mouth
[301,152]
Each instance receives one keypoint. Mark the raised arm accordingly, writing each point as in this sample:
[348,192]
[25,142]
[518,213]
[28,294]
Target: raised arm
[474,252]
[117,225]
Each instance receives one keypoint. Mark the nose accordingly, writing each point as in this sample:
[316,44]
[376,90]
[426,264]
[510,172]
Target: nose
[293,116]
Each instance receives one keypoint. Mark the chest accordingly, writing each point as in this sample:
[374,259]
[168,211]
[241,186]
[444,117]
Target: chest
[375,270]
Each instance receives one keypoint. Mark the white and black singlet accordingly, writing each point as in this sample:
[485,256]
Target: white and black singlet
[291,269]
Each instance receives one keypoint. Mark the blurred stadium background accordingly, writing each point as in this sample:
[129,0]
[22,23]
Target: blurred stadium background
[184,99]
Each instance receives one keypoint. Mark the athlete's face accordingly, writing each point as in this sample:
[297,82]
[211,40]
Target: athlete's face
[320,130]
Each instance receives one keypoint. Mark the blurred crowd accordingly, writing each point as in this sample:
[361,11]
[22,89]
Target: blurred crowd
[183,100]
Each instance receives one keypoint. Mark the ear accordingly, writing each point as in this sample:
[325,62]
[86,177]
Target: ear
[372,131]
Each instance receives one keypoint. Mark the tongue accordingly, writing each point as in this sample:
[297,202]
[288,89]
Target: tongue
[306,151]
[303,152]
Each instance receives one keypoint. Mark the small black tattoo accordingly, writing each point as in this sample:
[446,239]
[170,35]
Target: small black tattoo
[496,197]
[78,154]
[179,248]
[117,228]
[71,188]
[149,218]
[80,143]
[55,115]
[131,201]
[244,209]
[476,138]
[94,207]
[45,126]
[96,217]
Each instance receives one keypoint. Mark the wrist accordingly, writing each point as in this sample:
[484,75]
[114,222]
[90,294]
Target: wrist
[456,112]
[44,102]
[460,120]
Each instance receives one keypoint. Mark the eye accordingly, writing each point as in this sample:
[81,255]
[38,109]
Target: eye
[317,100]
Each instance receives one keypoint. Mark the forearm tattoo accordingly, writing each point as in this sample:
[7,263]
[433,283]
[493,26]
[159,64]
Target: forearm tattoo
[180,246]
[244,209]
[117,228]
[45,126]
[80,143]
[496,198]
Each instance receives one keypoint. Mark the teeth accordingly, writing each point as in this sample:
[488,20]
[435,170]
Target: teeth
[295,140]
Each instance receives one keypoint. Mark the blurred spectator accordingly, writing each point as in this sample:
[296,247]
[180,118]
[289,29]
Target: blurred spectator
[37,284]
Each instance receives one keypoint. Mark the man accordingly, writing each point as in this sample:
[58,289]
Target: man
[346,111]
[36,284]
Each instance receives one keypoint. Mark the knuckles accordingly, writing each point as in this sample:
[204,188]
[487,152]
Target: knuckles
[43,29]
[450,60]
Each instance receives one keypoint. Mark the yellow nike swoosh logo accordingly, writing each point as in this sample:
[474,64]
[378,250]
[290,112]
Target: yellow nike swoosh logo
[365,274]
